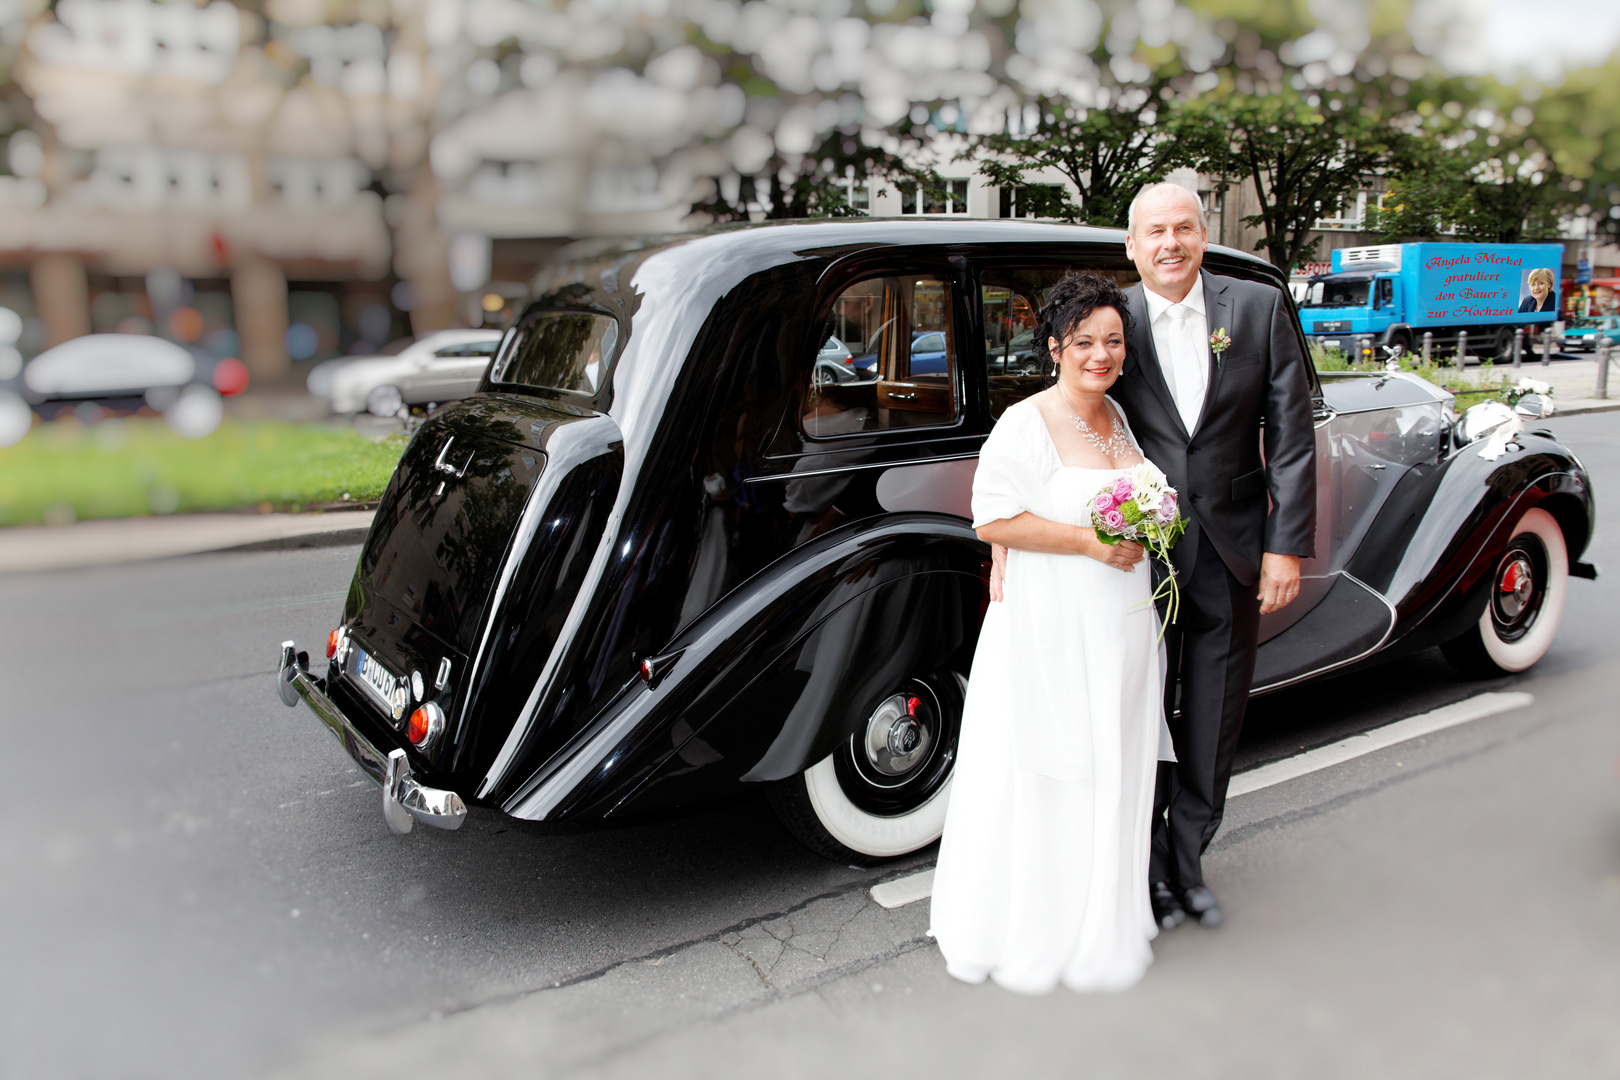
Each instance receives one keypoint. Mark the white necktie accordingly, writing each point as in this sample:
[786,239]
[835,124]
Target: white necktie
[1186,372]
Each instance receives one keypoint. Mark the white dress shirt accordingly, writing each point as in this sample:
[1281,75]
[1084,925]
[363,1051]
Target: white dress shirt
[1181,337]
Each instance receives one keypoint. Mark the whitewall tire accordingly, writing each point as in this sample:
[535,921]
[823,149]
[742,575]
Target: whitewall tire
[883,793]
[1525,602]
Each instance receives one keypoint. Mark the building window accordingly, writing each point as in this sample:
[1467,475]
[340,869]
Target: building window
[857,192]
[1031,201]
[914,199]
[1350,213]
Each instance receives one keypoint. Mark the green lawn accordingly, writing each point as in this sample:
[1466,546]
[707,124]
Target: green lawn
[119,468]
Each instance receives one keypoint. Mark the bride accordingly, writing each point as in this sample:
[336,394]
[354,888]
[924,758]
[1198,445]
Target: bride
[1043,867]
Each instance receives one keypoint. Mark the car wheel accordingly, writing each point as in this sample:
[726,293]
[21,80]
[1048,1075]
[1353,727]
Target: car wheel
[1527,586]
[883,793]
[384,401]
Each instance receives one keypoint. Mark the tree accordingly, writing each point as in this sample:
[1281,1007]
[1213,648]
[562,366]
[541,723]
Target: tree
[1108,153]
[1476,184]
[813,185]
[1305,152]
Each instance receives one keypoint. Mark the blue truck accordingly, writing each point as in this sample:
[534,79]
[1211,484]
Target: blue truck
[1391,294]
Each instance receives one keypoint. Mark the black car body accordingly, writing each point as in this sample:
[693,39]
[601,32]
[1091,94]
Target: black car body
[656,560]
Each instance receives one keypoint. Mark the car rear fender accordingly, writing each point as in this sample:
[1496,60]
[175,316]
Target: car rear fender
[901,591]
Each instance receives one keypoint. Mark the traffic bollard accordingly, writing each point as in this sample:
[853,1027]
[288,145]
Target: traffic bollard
[1428,345]
[1462,349]
[1546,348]
[1518,348]
[1602,392]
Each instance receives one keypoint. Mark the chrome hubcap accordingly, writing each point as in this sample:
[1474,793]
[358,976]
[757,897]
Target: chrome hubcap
[895,740]
[1514,587]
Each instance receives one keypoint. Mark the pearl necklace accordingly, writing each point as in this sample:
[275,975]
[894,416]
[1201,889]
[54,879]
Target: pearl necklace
[1116,445]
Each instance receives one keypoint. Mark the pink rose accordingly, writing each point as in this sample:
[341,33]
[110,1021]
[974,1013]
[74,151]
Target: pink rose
[1167,507]
[1103,503]
[1123,489]
[1114,520]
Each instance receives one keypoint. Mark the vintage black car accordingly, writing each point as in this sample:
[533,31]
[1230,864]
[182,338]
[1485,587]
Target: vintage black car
[657,560]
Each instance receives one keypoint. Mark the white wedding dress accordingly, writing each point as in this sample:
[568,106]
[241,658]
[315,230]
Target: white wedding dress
[1043,868]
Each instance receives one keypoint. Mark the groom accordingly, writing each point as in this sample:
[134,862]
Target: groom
[1216,391]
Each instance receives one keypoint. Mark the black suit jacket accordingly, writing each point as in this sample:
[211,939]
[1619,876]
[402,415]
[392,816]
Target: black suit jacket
[1258,400]
[1529,303]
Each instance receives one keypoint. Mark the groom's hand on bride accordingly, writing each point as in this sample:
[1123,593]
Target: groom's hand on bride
[1279,581]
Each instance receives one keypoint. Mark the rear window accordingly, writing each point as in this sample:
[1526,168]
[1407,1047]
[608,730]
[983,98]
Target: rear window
[559,350]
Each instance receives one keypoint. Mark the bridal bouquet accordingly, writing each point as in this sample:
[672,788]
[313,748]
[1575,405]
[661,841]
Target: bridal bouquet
[1142,506]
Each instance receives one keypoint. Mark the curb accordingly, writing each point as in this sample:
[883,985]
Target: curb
[107,542]
[1578,408]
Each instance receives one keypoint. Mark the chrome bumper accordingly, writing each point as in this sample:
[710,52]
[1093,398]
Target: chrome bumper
[404,800]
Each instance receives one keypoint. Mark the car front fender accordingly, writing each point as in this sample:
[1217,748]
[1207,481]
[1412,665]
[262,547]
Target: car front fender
[1441,528]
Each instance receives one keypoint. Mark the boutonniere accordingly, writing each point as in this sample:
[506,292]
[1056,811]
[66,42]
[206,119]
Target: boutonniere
[1219,342]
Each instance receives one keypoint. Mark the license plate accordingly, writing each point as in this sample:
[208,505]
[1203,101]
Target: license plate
[387,688]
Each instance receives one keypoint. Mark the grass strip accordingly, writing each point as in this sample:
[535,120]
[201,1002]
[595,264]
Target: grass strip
[125,467]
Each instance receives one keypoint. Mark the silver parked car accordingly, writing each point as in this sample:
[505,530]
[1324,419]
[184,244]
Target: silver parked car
[442,366]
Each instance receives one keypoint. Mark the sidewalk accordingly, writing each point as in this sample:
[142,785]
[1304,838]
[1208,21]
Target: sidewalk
[33,548]
[1573,382]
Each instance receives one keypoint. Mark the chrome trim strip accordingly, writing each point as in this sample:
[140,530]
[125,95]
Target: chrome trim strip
[857,468]
[1382,641]
[404,800]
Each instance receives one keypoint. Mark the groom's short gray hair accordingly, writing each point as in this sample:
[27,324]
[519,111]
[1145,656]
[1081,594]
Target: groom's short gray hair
[1130,215]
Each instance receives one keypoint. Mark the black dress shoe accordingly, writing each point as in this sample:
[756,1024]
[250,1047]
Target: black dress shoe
[1167,910]
[1200,904]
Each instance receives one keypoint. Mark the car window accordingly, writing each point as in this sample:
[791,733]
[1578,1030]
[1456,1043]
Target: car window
[1013,365]
[559,350]
[481,348]
[1011,299]
[457,349]
[900,369]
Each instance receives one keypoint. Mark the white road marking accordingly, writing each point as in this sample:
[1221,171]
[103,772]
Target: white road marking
[906,890]
[1413,727]
[919,886]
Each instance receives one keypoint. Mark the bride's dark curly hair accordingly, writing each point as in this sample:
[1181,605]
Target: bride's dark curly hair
[1070,303]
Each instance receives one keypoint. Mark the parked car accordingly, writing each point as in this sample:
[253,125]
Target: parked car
[126,372]
[1584,333]
[443,366]
[655,562]
[835,364]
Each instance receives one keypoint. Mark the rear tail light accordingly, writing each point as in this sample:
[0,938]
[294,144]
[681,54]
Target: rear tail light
[425,725]
[333,639]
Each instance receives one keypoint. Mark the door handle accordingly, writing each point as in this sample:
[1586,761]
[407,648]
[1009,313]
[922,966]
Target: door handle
[901,397]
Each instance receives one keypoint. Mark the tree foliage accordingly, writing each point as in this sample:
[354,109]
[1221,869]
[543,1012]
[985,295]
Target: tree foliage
[1108,153]
[1475,185]
[813,185]
[1305,152]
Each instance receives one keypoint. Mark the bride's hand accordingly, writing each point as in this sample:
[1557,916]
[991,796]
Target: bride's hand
[1121,556]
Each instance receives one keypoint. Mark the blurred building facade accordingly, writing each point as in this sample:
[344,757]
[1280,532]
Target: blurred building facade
[288,180]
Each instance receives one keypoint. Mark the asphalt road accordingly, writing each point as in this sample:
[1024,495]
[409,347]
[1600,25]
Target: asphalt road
[196,883]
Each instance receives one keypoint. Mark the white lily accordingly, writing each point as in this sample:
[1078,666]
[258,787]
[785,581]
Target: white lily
[1148,484]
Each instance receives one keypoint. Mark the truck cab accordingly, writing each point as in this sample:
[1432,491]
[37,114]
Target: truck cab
[1341,307]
